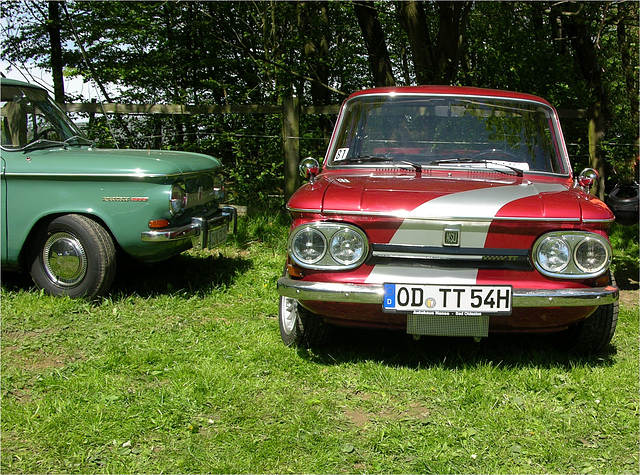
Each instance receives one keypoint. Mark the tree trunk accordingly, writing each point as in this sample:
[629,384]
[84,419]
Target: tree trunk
[313,22]
[452,24]
[291,134]
[628,66]
[415,24]
[582,43]
[435,63]
[373,35]
[53,27]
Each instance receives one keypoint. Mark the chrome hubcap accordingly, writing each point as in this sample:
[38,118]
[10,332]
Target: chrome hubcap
[65,260]
[288,313]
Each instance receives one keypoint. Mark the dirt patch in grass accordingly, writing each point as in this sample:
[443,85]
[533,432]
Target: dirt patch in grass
[357,417]
[360,418]
[36,360]
[629,298]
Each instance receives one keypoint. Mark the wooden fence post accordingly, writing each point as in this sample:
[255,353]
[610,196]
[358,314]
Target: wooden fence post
[291,141]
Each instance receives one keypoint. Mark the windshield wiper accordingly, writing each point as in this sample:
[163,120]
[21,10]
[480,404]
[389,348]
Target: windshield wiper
[447,161]
[42,144]
[416,166]
[78,140]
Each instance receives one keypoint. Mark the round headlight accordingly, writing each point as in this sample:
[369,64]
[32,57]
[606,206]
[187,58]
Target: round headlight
[553,254]
[347,246]
[178,199]
[218,188]
[308,246]
[591,256]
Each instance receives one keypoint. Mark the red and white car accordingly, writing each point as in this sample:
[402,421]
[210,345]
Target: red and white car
[448,211]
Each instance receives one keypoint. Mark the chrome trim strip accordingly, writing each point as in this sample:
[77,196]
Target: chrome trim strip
[300,210]
[111,175]
[596,221]
[172,234]
[566,297]
[459,95]
[373,294]
[405,215]
[331,292]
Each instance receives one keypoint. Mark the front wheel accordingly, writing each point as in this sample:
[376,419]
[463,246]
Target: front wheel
[593,333]
[300,327]
[73,255]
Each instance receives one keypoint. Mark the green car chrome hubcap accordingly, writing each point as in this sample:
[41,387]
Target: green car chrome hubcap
[65,260]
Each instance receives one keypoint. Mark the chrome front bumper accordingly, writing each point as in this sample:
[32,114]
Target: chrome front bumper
[204,233]
[373,294]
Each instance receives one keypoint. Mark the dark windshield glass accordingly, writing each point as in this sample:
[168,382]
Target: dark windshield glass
[29,114]
[446,131]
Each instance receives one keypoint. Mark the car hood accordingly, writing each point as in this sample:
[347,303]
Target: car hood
[124,162]
[472,196]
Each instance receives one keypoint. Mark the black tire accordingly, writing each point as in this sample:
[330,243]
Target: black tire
[73,255]
[300,327]
[594,333]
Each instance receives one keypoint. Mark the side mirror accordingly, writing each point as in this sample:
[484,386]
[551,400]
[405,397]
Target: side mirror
[587,178]
[309,169]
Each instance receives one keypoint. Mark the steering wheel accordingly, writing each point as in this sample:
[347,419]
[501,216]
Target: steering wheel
[43,133]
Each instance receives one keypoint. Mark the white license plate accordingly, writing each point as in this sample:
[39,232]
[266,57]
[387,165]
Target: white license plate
[468,300]
[217,236]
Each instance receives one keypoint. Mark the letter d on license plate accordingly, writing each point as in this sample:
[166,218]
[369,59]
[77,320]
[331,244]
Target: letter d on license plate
[448,299]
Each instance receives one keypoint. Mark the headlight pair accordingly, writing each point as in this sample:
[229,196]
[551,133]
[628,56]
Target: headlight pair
[178,200]
[572,254]
[328,246]
[205,191]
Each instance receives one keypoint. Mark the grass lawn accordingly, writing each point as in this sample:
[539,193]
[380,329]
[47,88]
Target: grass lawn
[181,370]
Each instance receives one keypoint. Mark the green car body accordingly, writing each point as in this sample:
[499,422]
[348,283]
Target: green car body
[64,201]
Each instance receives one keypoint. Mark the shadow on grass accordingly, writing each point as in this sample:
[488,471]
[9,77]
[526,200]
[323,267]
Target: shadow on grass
[396,348]
[16,281]
[627,275]
[184,274]
[625,259]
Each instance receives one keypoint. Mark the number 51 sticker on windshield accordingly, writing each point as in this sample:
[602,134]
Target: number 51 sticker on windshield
[469,300]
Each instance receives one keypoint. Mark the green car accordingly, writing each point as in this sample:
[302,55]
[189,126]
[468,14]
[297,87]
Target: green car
[69,210]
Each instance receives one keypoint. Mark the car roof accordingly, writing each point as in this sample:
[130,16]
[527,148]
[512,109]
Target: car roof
[450,91]
[15,82]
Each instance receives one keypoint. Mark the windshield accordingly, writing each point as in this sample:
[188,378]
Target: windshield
[28,115]
[519,136]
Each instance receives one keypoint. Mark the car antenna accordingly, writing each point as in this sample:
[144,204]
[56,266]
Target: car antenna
[93,75]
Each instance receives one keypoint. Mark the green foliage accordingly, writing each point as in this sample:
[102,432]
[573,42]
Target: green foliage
[258,52]
[181,370]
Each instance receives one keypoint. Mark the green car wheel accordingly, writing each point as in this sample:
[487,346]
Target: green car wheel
[73,255]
